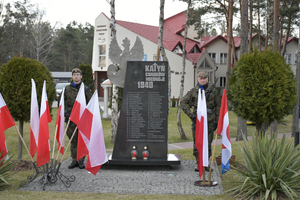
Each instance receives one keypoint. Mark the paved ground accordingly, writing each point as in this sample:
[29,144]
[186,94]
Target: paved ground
[133,180]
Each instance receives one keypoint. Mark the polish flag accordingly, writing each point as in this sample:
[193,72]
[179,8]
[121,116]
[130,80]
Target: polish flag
[223,130]
[34,120]
[201,133]
[43,150]
[60,123]
[6,121]
[90,126]
[78,108]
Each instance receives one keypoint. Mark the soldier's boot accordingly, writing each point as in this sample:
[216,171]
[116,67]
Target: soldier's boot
[81,163]
[73,164]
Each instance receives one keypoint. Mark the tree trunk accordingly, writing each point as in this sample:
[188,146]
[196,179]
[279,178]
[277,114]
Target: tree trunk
[258,19]
[242,123]
[114,112]
[251,24]
[20,144]
[229,42]
[179,125]
[276,26]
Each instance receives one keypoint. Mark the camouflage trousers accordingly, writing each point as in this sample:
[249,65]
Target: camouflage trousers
[210,139]
[71,128]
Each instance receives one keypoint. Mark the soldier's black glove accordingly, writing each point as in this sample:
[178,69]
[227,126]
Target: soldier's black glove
[67,116]
[194,117]
[215,126]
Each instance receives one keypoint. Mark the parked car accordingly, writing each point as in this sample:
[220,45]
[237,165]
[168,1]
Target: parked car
[59,87]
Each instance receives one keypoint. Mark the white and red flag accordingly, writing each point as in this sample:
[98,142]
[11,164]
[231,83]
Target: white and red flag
[223,130]
[201,132]
[60,123]
[78,108]
[90,125]
[34,120]
[6,121]
[43,150]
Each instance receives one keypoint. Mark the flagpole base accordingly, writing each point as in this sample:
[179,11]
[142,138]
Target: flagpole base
[50,175]
[205,184]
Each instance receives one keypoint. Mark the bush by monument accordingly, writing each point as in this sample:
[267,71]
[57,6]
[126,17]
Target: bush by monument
[262,87]
[15,87]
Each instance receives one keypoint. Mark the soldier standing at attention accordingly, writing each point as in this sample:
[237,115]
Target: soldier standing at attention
[213,103]
[70,95]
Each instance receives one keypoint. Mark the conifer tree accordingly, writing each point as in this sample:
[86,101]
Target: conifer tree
[15,87]
[262,87]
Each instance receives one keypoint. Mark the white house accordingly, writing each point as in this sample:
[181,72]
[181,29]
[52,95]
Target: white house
[208,54]
[196,59]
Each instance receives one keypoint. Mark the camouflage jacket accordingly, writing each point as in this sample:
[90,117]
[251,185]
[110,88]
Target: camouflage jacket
[213,102]
[70,97]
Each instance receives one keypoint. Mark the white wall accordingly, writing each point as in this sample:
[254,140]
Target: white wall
[150,49]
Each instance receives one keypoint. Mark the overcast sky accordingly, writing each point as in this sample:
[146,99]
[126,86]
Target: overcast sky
[140,11]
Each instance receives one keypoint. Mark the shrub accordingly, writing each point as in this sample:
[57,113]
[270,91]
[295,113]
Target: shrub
[262,87]
[271,167]
[5,166]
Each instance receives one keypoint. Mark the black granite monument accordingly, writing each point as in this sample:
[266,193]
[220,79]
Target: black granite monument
[142,135]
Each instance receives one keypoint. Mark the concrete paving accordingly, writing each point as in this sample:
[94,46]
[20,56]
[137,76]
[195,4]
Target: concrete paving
[133,180]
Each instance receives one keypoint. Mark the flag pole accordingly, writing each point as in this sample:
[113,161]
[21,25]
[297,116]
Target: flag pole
[69,144]
[212,158]
[56,126]
[24,143]
[203,175]
[65,132]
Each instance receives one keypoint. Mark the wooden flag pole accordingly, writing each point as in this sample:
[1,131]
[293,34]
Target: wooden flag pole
[24,143]
[65,132]
[54,140]
[212,158]
[69,144]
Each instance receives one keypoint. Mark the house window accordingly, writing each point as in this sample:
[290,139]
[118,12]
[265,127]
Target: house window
[204,64]
[195,50]
[296,57]
[223,57]
[102,56]
[288,58]
[222,81]
[177,49]
[213,56]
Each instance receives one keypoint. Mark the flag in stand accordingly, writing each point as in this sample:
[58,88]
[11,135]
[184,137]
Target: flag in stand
[201,133]
[91,127]
[34,120]
[6,121]
[43,150]
[78,108]
[223,130]
[60,123]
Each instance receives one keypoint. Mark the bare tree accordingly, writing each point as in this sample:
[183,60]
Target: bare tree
[43,36]
[179,125]
[114,112]
[276,26]
[242,124]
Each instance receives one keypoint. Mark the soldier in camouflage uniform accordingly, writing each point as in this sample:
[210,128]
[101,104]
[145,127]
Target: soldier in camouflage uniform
[70,95]
[213,103]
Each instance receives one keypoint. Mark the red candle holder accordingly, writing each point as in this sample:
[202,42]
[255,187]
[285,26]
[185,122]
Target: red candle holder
[133,153]
[145,153]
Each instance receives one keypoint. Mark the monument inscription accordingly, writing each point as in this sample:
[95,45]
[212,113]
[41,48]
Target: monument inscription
[143,122]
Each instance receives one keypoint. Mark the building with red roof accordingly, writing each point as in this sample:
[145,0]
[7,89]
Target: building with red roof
[208,54]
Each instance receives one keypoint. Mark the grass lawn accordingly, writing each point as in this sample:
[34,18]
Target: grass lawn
[11,192]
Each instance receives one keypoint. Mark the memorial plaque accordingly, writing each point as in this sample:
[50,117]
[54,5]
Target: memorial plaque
[142,133]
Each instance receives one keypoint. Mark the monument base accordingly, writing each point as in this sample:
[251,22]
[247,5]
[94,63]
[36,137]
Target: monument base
[172,159]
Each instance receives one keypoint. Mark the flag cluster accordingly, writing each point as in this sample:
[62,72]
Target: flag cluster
[87,118]
[201,133]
